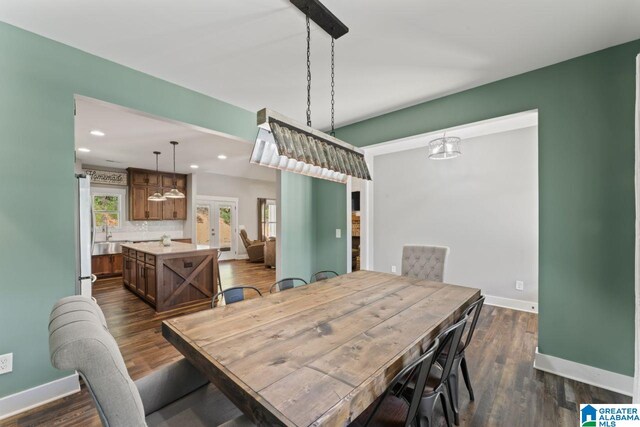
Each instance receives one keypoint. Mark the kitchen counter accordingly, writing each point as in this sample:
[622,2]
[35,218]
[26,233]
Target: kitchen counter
[169,277]
[156,248]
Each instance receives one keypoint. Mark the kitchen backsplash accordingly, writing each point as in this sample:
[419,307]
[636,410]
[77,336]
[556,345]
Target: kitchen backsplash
[144,230]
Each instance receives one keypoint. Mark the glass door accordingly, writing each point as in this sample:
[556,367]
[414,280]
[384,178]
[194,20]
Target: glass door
[216,226]
[224,228]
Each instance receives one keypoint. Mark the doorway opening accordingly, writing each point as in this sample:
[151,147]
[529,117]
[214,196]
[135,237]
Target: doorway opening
[483,205]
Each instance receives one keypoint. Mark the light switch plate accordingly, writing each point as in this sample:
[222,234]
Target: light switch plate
[338,233]
[6,363]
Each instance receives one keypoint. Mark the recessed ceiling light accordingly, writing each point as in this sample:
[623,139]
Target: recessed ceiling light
[97,132]
[222,156]
[194,166]
[84,150]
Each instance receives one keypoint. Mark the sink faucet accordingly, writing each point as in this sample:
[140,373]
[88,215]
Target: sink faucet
[107,233]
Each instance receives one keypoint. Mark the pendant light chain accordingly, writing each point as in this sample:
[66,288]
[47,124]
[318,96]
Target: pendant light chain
[174,165]
[333,88]
[308,71]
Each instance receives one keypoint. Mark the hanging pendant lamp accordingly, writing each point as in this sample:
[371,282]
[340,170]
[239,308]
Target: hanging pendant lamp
[157,196]
[287,145]
[447,147]
[174,193]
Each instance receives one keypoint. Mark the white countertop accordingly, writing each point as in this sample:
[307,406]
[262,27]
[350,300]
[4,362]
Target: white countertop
[156,248]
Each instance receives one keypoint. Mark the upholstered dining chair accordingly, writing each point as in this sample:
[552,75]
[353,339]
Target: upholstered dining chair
[322,275]
[424,262]
[288,283]
[472,313]
[396,407]
[175,395]
[233,295]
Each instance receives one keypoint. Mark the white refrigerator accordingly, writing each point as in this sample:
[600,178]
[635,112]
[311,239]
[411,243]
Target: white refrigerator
[86,236]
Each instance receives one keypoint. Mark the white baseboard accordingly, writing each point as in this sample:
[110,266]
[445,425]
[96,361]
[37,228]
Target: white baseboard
[245,256]
[39,395]
[515,304]
[608,380]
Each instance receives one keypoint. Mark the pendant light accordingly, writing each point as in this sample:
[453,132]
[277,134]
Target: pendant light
[157,196]
[174,193]
[447,147]
[294,147]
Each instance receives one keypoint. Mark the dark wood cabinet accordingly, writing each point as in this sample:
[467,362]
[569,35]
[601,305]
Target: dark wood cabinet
[144,183]
[106,265]
[150,279]
[141,283]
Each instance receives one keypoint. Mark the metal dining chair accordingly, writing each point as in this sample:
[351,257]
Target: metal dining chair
[397,407]
[232,295]
[437,386]
[472,313]
[288,283]
[322,275]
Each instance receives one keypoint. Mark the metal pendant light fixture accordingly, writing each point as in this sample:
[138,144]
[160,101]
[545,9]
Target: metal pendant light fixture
[287,145]
[174,193]
[447,147]
[157,196]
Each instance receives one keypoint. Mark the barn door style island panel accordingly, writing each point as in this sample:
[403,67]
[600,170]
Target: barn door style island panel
[173,276]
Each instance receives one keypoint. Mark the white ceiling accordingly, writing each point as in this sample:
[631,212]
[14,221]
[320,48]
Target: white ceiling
[397,53]
[131,138]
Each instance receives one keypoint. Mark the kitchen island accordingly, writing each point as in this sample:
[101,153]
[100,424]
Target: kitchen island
[169,277]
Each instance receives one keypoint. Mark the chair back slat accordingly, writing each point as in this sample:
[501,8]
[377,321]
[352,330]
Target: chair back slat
[322,275]
[288,283]
[473,313]
[233,295]
[449,341]
[416,373]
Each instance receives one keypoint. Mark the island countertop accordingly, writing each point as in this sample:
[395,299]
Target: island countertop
[156,248]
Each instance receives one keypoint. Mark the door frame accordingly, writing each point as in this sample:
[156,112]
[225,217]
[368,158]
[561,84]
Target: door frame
[234,234]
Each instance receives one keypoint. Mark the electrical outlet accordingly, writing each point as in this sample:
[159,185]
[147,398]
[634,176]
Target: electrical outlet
[338,233]
[6,363]
[393,268]
[519,285]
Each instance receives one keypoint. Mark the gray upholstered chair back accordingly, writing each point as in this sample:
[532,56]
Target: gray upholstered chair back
[79,340]
[424,262]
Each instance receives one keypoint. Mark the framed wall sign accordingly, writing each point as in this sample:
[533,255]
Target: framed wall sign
[107,177]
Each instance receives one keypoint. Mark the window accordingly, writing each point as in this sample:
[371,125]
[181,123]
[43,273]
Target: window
[106,210]
[266,218]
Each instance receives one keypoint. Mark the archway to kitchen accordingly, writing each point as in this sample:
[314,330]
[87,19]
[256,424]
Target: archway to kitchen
[122,231]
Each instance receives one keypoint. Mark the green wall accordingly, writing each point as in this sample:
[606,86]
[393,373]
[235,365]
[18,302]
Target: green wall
[298,216]
[586,173]
[38,80]
[330,207]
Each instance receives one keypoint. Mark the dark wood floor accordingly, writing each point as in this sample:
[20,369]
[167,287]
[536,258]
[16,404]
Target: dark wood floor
[509,392]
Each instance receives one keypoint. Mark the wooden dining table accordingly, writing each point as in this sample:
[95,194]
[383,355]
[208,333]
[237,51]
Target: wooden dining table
[317,355]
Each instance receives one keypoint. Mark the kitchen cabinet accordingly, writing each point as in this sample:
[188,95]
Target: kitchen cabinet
[169,277]
[144,183]
[107,265]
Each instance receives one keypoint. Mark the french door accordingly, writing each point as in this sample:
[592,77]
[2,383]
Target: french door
[216,225]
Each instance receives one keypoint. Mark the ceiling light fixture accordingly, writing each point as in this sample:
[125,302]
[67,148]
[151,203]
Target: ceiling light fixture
[157,196]
[97,132]
[194,166]
[286,145]
[84,150]
[222,156]
[447,147]
[174,193]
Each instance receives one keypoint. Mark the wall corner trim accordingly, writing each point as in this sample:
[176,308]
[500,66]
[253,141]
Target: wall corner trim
[514,304]
[39,395]
[607,380]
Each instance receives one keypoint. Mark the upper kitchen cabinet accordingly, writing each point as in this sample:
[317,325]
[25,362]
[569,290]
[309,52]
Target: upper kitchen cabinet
[143,183]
